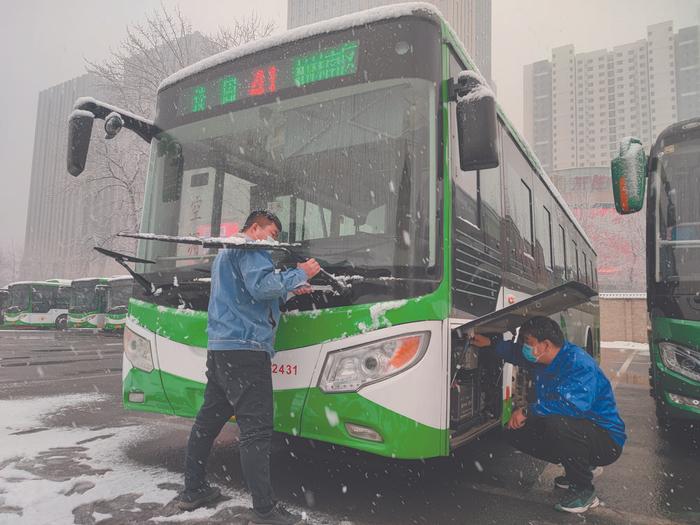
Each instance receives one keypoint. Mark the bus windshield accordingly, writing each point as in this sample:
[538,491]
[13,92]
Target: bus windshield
[350,172]
[19,296]
[83,297]
[677,181]
[118,295]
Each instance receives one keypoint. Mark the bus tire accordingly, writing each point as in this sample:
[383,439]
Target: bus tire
[61,322]
[666,423]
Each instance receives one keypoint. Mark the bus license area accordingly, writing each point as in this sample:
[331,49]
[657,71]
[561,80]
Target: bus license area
[284,369]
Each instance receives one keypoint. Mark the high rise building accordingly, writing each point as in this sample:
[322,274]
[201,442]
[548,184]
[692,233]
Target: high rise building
[63,215]
[688,72]
[68,216]
[471,20]
[578,106]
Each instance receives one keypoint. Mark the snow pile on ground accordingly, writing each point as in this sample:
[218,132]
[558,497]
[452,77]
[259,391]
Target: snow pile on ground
[72,474]
[624,345]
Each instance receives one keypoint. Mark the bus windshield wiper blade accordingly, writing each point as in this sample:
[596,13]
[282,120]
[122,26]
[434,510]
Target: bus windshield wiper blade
[241,243]
[214,242]
[122,259]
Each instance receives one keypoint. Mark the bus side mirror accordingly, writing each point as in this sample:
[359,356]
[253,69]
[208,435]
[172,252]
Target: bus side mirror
[628,176]
[476,123]
[79,131]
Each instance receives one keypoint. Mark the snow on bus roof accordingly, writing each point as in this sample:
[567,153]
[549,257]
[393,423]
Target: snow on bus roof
[326,26]
[57,282]
[120,278]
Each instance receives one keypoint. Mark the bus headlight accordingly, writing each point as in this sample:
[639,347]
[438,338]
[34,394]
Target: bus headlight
[350,369]
[138,351]
[681,359]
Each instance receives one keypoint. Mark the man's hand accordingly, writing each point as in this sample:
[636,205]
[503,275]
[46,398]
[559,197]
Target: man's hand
[310,267]
[480,340]
[301,290]
[517,420]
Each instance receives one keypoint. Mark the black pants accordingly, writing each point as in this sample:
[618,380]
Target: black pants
[578,444]
[239,383]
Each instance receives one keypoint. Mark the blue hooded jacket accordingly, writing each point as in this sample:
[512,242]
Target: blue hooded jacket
[571,385]
[244,302]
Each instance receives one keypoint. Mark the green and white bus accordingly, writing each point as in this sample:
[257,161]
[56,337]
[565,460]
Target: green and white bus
[87,308]
[354,131]
[114,294]
[38,304]
[672,174]
[4,303]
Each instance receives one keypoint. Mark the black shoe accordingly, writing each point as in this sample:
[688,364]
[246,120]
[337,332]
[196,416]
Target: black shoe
[192,499]
[278,515]
[563,482]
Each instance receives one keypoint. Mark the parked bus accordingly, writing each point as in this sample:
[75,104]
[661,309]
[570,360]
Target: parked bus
[353,132]
[115,294]
[672,173]
[4,303]
[87,308]
[38,304]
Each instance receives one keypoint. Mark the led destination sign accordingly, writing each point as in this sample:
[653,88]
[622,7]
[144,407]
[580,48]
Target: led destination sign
[333,62]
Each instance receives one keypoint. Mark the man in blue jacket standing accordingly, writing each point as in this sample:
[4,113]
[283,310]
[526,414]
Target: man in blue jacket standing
[574,420]
[244,310]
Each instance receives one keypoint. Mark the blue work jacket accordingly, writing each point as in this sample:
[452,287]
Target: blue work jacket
[244,304]
[571,385]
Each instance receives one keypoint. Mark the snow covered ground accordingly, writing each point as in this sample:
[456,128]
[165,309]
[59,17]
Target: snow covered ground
[624,345]
[75,474]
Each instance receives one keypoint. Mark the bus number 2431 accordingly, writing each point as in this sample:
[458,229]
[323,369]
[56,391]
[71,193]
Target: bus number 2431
[290,370]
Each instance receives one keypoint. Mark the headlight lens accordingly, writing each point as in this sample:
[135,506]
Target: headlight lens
[349,370]
[138,351]
[681,359]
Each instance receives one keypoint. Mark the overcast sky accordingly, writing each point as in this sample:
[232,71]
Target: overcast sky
[45,42]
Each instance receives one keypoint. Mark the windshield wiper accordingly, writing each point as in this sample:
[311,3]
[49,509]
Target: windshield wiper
[122,259]
[238,243]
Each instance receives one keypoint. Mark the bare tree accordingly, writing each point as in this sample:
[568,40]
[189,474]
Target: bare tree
[152,50]
[241,32]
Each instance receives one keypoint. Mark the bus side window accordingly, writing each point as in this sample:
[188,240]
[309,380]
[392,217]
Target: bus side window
[41,300]
[524,216]
[562,251]
[547,247]
[572,259]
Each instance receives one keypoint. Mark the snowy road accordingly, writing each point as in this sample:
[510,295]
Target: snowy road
[70,454]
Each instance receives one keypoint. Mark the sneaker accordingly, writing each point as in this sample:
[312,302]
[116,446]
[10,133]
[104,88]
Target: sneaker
[192,499]
[563,482]
[278,515]
[578,501]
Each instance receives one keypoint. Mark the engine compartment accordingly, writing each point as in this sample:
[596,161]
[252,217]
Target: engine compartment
[475,387]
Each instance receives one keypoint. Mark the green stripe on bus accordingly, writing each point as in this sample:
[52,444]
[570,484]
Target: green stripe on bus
[308,413]
[298,329]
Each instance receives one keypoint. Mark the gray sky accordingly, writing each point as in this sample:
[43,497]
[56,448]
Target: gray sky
[44,42]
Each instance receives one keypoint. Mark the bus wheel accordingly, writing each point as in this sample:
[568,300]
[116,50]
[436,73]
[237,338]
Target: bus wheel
[62,322]
[667,424]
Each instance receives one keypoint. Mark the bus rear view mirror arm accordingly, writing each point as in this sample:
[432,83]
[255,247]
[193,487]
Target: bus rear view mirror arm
[476,122]
[80,128]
